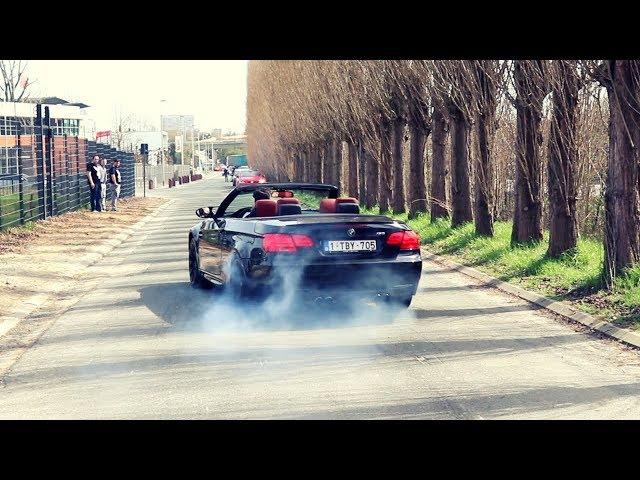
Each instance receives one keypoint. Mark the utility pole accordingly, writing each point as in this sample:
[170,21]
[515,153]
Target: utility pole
[184,138]
[193,147]
[144,151]
[162,145]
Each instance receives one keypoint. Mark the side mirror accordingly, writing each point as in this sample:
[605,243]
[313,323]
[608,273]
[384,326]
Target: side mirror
[202,213]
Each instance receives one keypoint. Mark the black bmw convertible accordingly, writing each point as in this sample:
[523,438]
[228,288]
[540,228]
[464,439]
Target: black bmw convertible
[302,239]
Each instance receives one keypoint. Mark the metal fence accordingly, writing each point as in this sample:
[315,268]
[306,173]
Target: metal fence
[43,174]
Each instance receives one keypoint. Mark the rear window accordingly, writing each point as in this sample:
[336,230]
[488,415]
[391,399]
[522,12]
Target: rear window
[310,199]
[247,173]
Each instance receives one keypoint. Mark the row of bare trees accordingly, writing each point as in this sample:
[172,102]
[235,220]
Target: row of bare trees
[549,143]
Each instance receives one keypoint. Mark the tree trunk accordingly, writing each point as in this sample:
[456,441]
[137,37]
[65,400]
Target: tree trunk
[353,170]
[622,203]
[483,177]
[373,176]
[398,196]
[384,188]
[485,131]
[327,163]
[417,185]
[363,167]
[336,167]
[297,165]
[305,162]
[460,166]
[563,156]
[527,217]
[438,166]
[315,166]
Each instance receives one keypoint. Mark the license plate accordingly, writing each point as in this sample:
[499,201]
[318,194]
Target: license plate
[350,246]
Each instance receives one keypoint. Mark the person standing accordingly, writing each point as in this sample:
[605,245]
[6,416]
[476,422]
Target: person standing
[116,180]
[94,183]
[225,173]
[102,173]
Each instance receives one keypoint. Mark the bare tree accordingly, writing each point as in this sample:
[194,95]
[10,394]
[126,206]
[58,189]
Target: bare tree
[439,165]
[124,123]
[563,157]
[621,78]
[530,84]
[485,81]
[15,84]
[385,172]
[451,84]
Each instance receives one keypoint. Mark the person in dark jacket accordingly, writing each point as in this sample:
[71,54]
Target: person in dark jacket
[95,188]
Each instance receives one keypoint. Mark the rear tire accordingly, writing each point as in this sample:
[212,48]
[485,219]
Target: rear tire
[235,284]
[196,280]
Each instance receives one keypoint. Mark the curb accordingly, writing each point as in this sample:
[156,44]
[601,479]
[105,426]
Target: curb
[560,308]
[95,254]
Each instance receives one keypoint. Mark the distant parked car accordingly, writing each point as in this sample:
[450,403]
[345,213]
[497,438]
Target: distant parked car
[246,177]
[235,171]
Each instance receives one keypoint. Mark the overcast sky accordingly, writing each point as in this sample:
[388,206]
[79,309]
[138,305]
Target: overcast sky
[213,91]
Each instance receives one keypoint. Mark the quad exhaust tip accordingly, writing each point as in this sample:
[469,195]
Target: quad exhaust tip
[324,300]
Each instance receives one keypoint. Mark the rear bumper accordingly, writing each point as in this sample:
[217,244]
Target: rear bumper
[397,277]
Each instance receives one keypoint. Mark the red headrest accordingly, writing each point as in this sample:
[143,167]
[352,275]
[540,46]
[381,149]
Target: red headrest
[281,201]
[266,208]
[328,205]
[347,200]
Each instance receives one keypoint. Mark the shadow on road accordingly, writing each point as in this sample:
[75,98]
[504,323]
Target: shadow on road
[472,312]
[468,406]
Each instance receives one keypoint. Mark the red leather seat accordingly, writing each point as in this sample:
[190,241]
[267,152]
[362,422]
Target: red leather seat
[266,208]
[327,205]
[330,205]
[281,201]
[347,200]
[347,205]
[288,201]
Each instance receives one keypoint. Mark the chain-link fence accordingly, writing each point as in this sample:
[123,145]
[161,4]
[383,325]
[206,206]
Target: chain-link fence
[43,174]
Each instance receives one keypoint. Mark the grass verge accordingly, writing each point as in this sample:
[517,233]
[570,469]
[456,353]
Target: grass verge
[575,277]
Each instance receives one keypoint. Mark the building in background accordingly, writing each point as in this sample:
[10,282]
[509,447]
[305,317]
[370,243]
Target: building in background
[67,118]
[158,143]
[176,125]
[71,119]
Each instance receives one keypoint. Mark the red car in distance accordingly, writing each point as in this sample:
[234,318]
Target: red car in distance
[247,177]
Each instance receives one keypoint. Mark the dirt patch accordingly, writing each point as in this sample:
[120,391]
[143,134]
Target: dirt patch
[45,255]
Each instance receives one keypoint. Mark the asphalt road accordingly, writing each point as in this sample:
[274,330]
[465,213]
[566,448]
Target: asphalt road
[141,344]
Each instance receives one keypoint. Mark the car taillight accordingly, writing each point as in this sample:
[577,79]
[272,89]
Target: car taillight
[406,240]
[285,243]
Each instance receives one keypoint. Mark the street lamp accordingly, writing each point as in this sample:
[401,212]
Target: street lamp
[183,142]
[162,143]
